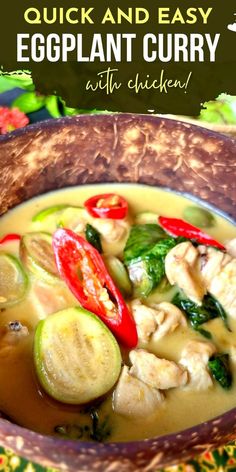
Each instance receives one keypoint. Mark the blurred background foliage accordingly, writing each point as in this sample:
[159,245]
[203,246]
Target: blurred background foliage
[18,91]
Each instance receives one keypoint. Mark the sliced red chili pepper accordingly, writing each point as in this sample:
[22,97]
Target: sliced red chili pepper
[82,268]
[10,237]
[178,227]
[107,205]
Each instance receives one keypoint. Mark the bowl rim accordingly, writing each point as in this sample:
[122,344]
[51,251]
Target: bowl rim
[55,122]
[136,445]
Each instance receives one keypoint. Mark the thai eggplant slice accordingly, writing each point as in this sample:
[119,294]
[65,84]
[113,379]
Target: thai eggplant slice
[13,280]
[146,217]
[119,274]
[77,358]
[63,216]
[37,255]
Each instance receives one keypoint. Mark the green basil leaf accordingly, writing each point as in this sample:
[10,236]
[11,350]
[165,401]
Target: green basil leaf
[220,369]
[93,237]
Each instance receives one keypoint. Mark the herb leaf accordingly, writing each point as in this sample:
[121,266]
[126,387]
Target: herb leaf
[199,314]
[220,369]
[148,269]
[100,430]
[93,237]
[222,313]
[145,274]
[141,240]
[97,430]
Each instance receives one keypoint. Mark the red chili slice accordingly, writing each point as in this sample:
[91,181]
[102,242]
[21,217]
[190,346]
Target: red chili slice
[107,205]
[10,237]
[82,268]
[178,227]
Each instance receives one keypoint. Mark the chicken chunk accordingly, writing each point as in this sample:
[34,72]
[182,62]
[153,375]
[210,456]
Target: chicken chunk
[134,398]
[46,301]
[168,318]
[182,267]
[231,247]
[232,352]
[111,230]
[156,321]
[157,373]
[194,358]
[144,317]
[219,274]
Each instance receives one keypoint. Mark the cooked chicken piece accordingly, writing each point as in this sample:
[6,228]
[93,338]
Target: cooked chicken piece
[212,262]
[231,247]
[156,321]
[168,318]
[111,230]
[157,373]
[232,353]
[219,274]
[194,358]
[132,397]
[182,268]
[144,317]
[46,300]
[80,226]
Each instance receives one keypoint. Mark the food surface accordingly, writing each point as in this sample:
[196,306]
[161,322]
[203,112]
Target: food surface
[117,313]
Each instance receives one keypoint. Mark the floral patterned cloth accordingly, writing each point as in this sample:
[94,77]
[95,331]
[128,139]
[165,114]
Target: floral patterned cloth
[220,460]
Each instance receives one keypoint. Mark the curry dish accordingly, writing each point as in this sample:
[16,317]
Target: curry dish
[118,313]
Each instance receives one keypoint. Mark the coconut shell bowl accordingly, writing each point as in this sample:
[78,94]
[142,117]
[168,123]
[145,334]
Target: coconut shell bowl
[118,148]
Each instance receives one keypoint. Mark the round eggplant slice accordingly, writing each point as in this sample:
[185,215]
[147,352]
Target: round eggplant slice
[77,358]
[146,217]
[37,255]
[119,274]
[60,216]
[13,280]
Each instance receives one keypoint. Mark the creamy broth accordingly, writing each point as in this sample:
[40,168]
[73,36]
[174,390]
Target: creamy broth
[21,397]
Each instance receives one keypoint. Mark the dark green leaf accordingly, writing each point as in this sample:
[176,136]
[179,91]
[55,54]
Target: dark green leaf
[142,239]
[93,237]
[29,102]
[220,369]
[97,429]
[204,333]
[163,246]
[147,271]
[199,314]
[100,430]
[222,313]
